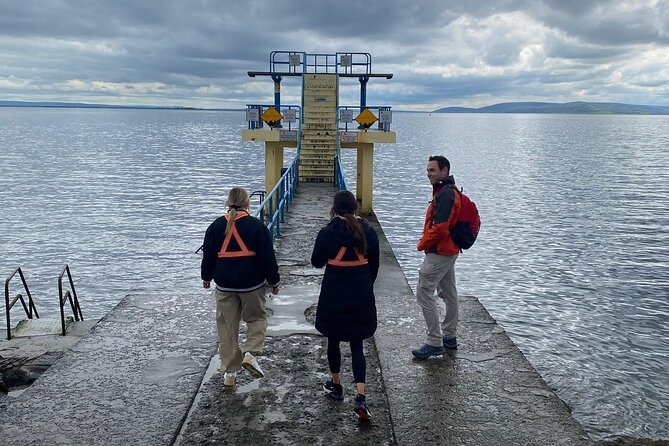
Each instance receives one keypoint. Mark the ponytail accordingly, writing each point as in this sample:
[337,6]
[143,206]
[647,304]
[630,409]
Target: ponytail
[353,224]
[232,213]
[345,206]
[238,199]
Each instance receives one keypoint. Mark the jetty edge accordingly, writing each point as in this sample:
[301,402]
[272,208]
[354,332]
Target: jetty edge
[139,377]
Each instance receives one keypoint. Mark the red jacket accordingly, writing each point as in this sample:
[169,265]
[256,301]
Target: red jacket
[441,215]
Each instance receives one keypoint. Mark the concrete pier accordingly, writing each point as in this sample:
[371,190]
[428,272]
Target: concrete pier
[147,373]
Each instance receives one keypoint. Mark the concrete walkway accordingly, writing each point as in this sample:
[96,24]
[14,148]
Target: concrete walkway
[485,393]
[145,375]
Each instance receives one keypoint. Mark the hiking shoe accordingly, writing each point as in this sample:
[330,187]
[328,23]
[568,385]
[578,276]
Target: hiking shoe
[361,408]
[229,379]
[451,343]
[334,391]
[251,364]
[427,350]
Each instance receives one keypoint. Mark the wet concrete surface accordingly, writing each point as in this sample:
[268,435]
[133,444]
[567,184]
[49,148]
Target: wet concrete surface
[23,359]
[130,381]
[484,393]
[289,406]
[147,374]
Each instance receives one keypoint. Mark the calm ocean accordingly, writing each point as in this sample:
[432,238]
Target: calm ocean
[572,259]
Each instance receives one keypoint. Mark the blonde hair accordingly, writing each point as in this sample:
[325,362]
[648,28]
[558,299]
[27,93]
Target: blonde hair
[238,199]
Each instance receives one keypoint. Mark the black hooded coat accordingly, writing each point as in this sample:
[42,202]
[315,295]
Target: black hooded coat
[346,305]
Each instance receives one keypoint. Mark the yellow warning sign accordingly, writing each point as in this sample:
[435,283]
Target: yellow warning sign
[366,118]
[272,117]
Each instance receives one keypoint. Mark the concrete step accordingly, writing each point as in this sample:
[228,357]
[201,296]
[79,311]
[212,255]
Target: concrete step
[305,158]
[321,155]
[324,146]
[316,179]
[328,126]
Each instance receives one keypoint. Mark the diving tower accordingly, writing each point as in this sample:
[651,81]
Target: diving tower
[320,127]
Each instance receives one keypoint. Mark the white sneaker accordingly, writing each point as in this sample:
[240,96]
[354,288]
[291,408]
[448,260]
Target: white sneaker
[229,379]
[251,364]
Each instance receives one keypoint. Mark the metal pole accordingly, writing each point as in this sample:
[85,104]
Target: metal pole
[277,95]
[363,94]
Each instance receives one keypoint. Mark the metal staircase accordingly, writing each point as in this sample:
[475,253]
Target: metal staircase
[319,128]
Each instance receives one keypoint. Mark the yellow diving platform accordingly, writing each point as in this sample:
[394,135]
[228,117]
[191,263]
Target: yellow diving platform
[322,127]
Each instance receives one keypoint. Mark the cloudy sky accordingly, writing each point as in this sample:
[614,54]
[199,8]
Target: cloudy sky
[441,53]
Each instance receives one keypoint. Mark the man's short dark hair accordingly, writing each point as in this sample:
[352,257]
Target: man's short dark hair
[442,161]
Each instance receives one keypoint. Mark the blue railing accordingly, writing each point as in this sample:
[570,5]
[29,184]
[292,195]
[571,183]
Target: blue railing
[255,111]
[340,179]
[273,208]
[339,63]
[382,113]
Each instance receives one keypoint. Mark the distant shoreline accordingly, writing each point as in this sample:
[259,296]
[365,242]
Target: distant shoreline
[22,104]
[585,108]
[588,108]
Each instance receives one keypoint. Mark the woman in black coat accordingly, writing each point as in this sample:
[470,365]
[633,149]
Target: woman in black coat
[348,247]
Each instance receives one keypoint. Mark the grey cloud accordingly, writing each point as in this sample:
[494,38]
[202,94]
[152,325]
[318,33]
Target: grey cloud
[610,22]
[194,44]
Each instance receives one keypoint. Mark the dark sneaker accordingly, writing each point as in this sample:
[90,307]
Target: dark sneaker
[427,350]
[361,408]
[334,391]
[451,343]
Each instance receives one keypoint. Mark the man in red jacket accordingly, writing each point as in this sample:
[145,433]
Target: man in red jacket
[438,269]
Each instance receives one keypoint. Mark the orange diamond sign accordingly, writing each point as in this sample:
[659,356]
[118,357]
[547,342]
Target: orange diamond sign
[271,117]
[366,118]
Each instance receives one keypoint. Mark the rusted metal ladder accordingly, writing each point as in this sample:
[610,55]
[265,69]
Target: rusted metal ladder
[65,294]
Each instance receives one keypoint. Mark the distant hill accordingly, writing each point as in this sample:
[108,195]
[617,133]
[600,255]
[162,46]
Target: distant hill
[610,108]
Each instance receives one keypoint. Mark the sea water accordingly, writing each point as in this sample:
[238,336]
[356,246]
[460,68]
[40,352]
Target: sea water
[572,259]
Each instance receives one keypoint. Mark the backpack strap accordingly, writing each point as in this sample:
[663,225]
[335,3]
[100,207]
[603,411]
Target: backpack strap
[434,208]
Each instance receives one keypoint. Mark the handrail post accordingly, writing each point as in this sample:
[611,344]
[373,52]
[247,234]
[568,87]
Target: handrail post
[70,296]
[278,199]
[9,305]
[7,308]
[77,308]
[282,194]
[60,304]
[31,303]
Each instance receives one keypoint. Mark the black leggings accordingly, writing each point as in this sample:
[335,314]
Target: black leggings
[357,359]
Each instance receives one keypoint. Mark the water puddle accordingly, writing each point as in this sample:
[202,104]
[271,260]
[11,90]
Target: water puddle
[307,272]
[15,393]
[247,388]
[288,308]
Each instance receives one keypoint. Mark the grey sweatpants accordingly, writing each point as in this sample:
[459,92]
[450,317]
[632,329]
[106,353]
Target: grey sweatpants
[438,272]
[232,307]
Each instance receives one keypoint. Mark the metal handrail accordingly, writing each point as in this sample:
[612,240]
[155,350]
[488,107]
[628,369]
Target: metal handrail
[273,62]
[278,200]
[340,179]
[71,296]
[252,114]
[260,194]
[383,126]
[355,57]
[29,309]
[320,63]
